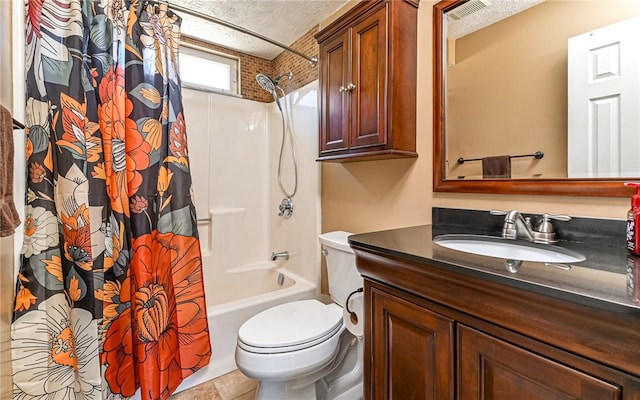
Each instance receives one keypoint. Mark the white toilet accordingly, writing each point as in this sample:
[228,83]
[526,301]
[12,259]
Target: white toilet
[304,350]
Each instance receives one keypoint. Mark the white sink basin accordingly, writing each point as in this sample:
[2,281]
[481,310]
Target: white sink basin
[493,246]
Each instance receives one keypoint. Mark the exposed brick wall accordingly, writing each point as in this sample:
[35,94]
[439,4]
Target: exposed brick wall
[250,66]
[303,72]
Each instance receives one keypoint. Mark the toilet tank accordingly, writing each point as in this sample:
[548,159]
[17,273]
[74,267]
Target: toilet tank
[342,274]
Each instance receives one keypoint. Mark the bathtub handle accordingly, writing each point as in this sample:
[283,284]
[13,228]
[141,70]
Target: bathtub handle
[281,254]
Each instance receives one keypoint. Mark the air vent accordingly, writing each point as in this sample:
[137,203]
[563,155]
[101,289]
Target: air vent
[468,8]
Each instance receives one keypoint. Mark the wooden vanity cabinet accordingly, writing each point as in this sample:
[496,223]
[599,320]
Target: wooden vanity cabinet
[490,368]
[413,350]
[368,82]
[434,334]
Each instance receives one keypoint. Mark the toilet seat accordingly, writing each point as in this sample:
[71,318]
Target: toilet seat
[290,327]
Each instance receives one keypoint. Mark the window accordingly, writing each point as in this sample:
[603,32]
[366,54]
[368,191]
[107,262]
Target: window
[207,70]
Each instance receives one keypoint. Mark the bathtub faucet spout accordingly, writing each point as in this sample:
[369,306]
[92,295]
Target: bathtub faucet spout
[281,254]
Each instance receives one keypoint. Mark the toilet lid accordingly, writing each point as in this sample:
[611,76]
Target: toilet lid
[291,324]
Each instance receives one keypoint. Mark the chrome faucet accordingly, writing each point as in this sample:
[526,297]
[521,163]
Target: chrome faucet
[516,226]
[281,254]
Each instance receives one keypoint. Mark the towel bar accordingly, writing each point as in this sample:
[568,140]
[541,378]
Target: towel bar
[537,155]
[17,124]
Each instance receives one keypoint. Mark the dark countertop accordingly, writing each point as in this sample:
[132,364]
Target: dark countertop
[604,280]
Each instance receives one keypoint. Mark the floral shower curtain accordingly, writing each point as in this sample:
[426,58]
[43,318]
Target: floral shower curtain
[109,295]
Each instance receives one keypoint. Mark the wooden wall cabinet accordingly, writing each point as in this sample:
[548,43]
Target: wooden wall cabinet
[367,78]
[435,334]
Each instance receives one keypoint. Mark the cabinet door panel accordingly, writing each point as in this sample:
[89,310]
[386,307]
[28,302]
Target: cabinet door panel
[491,369]
[368,74]
[334,103]
[412,351]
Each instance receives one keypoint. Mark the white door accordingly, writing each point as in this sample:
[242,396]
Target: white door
[604,102]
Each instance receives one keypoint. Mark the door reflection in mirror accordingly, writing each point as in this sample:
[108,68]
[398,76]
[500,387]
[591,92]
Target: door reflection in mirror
[507,92]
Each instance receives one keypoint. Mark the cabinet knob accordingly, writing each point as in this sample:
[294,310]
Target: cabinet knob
[351,86]
[342,89]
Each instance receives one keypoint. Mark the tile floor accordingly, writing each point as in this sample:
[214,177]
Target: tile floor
[232,386]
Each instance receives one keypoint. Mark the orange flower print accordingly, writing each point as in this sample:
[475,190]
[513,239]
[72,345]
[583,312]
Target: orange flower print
[139,205]
[114,294]
[178,138]
[118,356]
[24,298]
[152,129]
[125,150]
[111,291]
[164,179]
[37,173]
[77,237]
[152,312]
[112,120]
[171,335]
[63,349]
[74,291]
[98,171]
[54,340]
[54,267]
[78,130]
[137,151]
[28,149]
[178,141]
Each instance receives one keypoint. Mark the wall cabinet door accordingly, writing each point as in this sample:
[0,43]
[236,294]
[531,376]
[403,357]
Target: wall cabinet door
[409,351]
[491,369]
[368,67]
[368,77]
[334,99]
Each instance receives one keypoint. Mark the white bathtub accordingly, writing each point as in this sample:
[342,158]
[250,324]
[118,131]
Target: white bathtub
[235,296]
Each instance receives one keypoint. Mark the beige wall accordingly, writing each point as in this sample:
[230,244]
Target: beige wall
[376,195]
[507,90]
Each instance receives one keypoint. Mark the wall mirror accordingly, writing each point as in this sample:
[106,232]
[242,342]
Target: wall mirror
[516,78]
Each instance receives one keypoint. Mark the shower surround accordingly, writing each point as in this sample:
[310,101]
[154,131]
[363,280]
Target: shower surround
[234,148]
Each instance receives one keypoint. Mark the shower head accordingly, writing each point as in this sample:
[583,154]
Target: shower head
[269,84]
[266,83]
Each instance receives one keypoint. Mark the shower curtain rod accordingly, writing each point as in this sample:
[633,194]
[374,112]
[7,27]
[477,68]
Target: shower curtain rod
[312,60]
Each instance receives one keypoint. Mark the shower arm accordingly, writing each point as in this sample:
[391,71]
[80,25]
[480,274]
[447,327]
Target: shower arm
[313,61]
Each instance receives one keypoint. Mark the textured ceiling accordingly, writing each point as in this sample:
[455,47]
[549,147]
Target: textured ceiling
[498,10]
[280,20]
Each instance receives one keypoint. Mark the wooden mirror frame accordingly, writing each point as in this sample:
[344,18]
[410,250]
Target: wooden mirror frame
[604,187]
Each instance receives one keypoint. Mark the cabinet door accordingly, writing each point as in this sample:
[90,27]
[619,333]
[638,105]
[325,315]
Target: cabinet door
[334,101]
[491,369]
[369,76]
[411,351]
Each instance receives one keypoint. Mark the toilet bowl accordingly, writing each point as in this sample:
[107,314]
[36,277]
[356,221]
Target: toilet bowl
[304,350]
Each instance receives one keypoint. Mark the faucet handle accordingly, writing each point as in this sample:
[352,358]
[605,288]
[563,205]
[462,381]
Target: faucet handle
[545,225]
[557,217]
[498,212]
